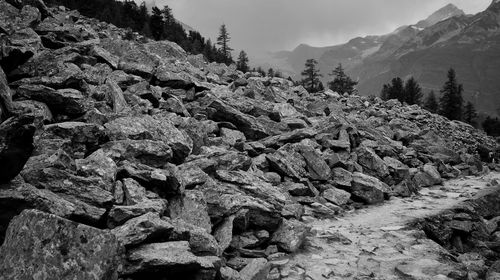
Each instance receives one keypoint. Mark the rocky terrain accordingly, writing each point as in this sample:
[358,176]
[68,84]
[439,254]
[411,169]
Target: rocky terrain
[125,158]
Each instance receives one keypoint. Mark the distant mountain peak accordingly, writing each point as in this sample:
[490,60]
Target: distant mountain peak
[445,12]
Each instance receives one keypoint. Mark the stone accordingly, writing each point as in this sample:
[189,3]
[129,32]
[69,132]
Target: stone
[227,273]
[223,233]
[16,146]
[336,196]
[341,178]
[69,102]
[317,168]
[146,228]
[97,164]
[200,241]
[119,214]
[372,163]
[290,235]
[149,152]
[256,269]
[368,189]
[6,106]
[174,259]
[192,208]
[46,246]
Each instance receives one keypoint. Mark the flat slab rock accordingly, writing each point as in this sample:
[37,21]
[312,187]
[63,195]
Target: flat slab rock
[44,246]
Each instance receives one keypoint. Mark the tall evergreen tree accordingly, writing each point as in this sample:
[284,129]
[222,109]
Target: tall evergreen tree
[451,101]
[270,72]
[431,103]
[412,92]
[491,126]
[223,42]
[394,90]
[470,114]
[341,83]
[242,63]
[156,24]
[311,76]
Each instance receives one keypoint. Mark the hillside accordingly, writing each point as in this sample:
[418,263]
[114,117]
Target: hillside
[128,158]
[425,50]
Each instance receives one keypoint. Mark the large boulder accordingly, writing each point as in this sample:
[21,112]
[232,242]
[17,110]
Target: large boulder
[290,235]
[174,259]
[368,189]
[48,247]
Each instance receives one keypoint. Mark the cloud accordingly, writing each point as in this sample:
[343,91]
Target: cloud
[283,24]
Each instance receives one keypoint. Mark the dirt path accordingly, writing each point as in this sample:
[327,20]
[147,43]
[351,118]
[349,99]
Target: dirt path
[373,243]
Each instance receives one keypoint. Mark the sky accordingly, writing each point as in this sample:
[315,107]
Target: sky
[273,25]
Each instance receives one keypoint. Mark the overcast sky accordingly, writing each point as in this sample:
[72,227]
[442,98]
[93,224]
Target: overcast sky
[270,25]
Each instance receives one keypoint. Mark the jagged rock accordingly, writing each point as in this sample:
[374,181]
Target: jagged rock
[146,228]
[256,269]
[290,235]
[6,106]
[232,136]
[368,189]
[16,146]
[341,178]
[428,176]
[148,128]
[288,137]
[336,196]
[165,182]
[148,152]
[318,169]
[200,241]
[297,189]
[104,56]
[288,162]
[216,158]
[69,102]
[372,163]
[227,273]
[171,258]
[191,208]
[224,232]
[97,164]
[119,214]
[40,111]
[249,125]
[113,95]
[43,244]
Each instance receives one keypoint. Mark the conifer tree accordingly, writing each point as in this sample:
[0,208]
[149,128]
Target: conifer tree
[384,94]
[412,93]
[270,72]
[470,114]
[223,42]
[311,76]
[156,24]
[242,63]
[451,98]
[341,83]
[394,90]
[431,103]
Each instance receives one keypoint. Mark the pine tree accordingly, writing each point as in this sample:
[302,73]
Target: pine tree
[491,126]
[341,83]
[223,42]
[156,24]
[431,103]
[412,92]
[242,63]
[312,75]
[394,90]
[470,114]
[270,72]
[451,99]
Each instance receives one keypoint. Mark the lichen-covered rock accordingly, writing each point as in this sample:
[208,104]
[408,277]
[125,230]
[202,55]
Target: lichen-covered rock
[290,235]
[367,188]
[46,246]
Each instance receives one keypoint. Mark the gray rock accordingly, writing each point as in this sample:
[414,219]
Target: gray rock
[256,269]
[336,196]
[192,208]
[54,248]
[146,228]
[290,235]
[149,152]
[372,163]
[367,188]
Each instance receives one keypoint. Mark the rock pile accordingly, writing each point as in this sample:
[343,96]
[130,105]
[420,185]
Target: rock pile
[133,159]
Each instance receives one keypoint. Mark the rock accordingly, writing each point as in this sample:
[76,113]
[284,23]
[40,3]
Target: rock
[232,136]
[113,95]
[341,178]
[171,258]
[16,146]
[216,158]
[372,163]
[149,152]
[70,102]
[148,227]
[148,128]
[288,137]
[6,106]
[200,241]
[297,189]
[368,189]
[288,162]
[227,273]
[256,269]
[433,173]
[40,111]
[290,235]
[336,196]
[316,166]
[97,164]
[223,233]
[191,208]
[51,247]
[249,125]
[428,176]
[119,214]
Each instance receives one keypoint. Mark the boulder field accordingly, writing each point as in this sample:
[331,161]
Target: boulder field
[126,158]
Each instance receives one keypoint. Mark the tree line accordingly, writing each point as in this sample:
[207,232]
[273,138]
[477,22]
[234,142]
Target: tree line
[341,82]
[160,24]
[450,104]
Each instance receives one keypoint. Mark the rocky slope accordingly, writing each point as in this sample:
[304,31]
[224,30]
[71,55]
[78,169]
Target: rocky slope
[132,159]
